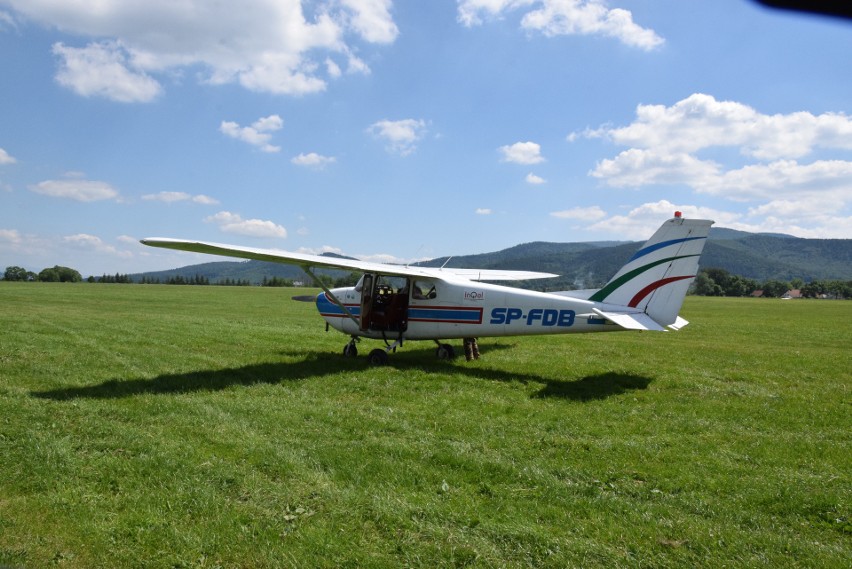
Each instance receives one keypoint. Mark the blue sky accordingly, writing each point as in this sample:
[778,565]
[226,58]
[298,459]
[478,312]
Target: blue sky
[394,131]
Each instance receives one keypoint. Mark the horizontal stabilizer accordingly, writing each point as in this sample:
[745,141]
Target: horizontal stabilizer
[679,323]
[631,320]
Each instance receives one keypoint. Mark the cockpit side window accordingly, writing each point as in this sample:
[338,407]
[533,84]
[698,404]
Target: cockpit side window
[423,290]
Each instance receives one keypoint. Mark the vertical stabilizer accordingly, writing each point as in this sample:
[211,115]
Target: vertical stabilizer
[656,278]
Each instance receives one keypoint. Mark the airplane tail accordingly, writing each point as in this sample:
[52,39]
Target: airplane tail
[655,280]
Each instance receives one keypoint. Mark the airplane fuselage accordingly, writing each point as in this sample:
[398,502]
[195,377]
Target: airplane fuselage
[465,310]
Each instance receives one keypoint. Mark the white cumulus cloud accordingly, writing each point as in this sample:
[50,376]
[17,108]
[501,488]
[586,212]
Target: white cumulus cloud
[781,160]
[258,134]
[831,179]
[641,222]
[273,46]
[401,136]
[102,69]
[204,200]
[5,158]
[171,197]
[10,236]
[592,213]
[484,211]
[312,160]
[75,188]
[87,242]
[372,19]
[234,223]
[564,17]
[640,167]
[522,153]
[700,122]
[535,180]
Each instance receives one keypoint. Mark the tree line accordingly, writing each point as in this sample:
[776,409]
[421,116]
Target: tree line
[719,282]
[66,274]
[55,274]
[709,282]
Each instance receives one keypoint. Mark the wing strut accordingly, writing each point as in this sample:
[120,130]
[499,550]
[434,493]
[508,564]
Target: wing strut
[330,295]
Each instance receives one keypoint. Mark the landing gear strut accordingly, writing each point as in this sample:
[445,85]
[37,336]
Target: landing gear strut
[471,349]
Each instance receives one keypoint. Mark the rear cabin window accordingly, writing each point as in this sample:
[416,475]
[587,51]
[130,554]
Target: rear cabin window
[423,290]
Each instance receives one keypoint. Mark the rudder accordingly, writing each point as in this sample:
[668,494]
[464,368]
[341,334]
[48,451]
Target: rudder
[656,278]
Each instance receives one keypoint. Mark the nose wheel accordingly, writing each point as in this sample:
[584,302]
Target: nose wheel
[350,350]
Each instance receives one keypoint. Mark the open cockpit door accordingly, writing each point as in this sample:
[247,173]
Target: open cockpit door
[366,285]
[384,303]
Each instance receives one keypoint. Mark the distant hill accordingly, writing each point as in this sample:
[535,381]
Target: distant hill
[590,265]
[252,271]
[764,257]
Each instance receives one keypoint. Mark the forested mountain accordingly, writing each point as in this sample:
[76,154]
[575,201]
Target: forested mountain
[252,271]
[590,265]
[765,257]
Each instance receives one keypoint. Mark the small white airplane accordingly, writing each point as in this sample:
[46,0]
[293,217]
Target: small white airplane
[396,303]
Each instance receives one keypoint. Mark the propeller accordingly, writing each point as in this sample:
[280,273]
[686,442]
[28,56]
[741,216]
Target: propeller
[305,298]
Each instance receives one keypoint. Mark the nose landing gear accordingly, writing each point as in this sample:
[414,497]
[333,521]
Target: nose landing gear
[350,350]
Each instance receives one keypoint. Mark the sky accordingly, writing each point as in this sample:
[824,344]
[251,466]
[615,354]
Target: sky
[400,131]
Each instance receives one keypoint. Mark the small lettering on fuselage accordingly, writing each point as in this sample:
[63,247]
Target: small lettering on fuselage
[539,316]
[474,295]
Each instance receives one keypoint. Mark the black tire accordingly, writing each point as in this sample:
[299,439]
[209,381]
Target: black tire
[350,351]
[445,352]
[378,357]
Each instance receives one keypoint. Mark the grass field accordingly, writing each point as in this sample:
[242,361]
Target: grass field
[173,426]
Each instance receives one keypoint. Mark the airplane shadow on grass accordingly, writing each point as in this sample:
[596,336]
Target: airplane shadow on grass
[315,365]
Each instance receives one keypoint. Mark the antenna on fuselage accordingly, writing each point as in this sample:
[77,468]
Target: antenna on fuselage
[447,261]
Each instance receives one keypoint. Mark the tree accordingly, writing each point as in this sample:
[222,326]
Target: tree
[15,274]
[349,280]
[276,281]
[705,286]
[774,288]
[58,274]
[839,289]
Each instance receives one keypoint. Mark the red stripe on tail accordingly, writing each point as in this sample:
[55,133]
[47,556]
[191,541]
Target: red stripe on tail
[634,302]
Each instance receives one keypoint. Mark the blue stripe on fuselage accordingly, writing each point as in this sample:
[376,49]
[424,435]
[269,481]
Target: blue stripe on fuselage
[327,308]
[445,314]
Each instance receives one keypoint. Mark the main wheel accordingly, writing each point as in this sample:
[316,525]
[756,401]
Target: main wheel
[445,352]
[378,357]
[350,350]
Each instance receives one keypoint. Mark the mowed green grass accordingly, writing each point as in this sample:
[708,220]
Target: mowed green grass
[163,426]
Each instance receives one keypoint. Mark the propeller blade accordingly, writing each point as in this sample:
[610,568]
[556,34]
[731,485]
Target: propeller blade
[305,298]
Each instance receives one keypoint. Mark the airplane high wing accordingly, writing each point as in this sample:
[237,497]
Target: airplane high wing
[396,303]
[320,261]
